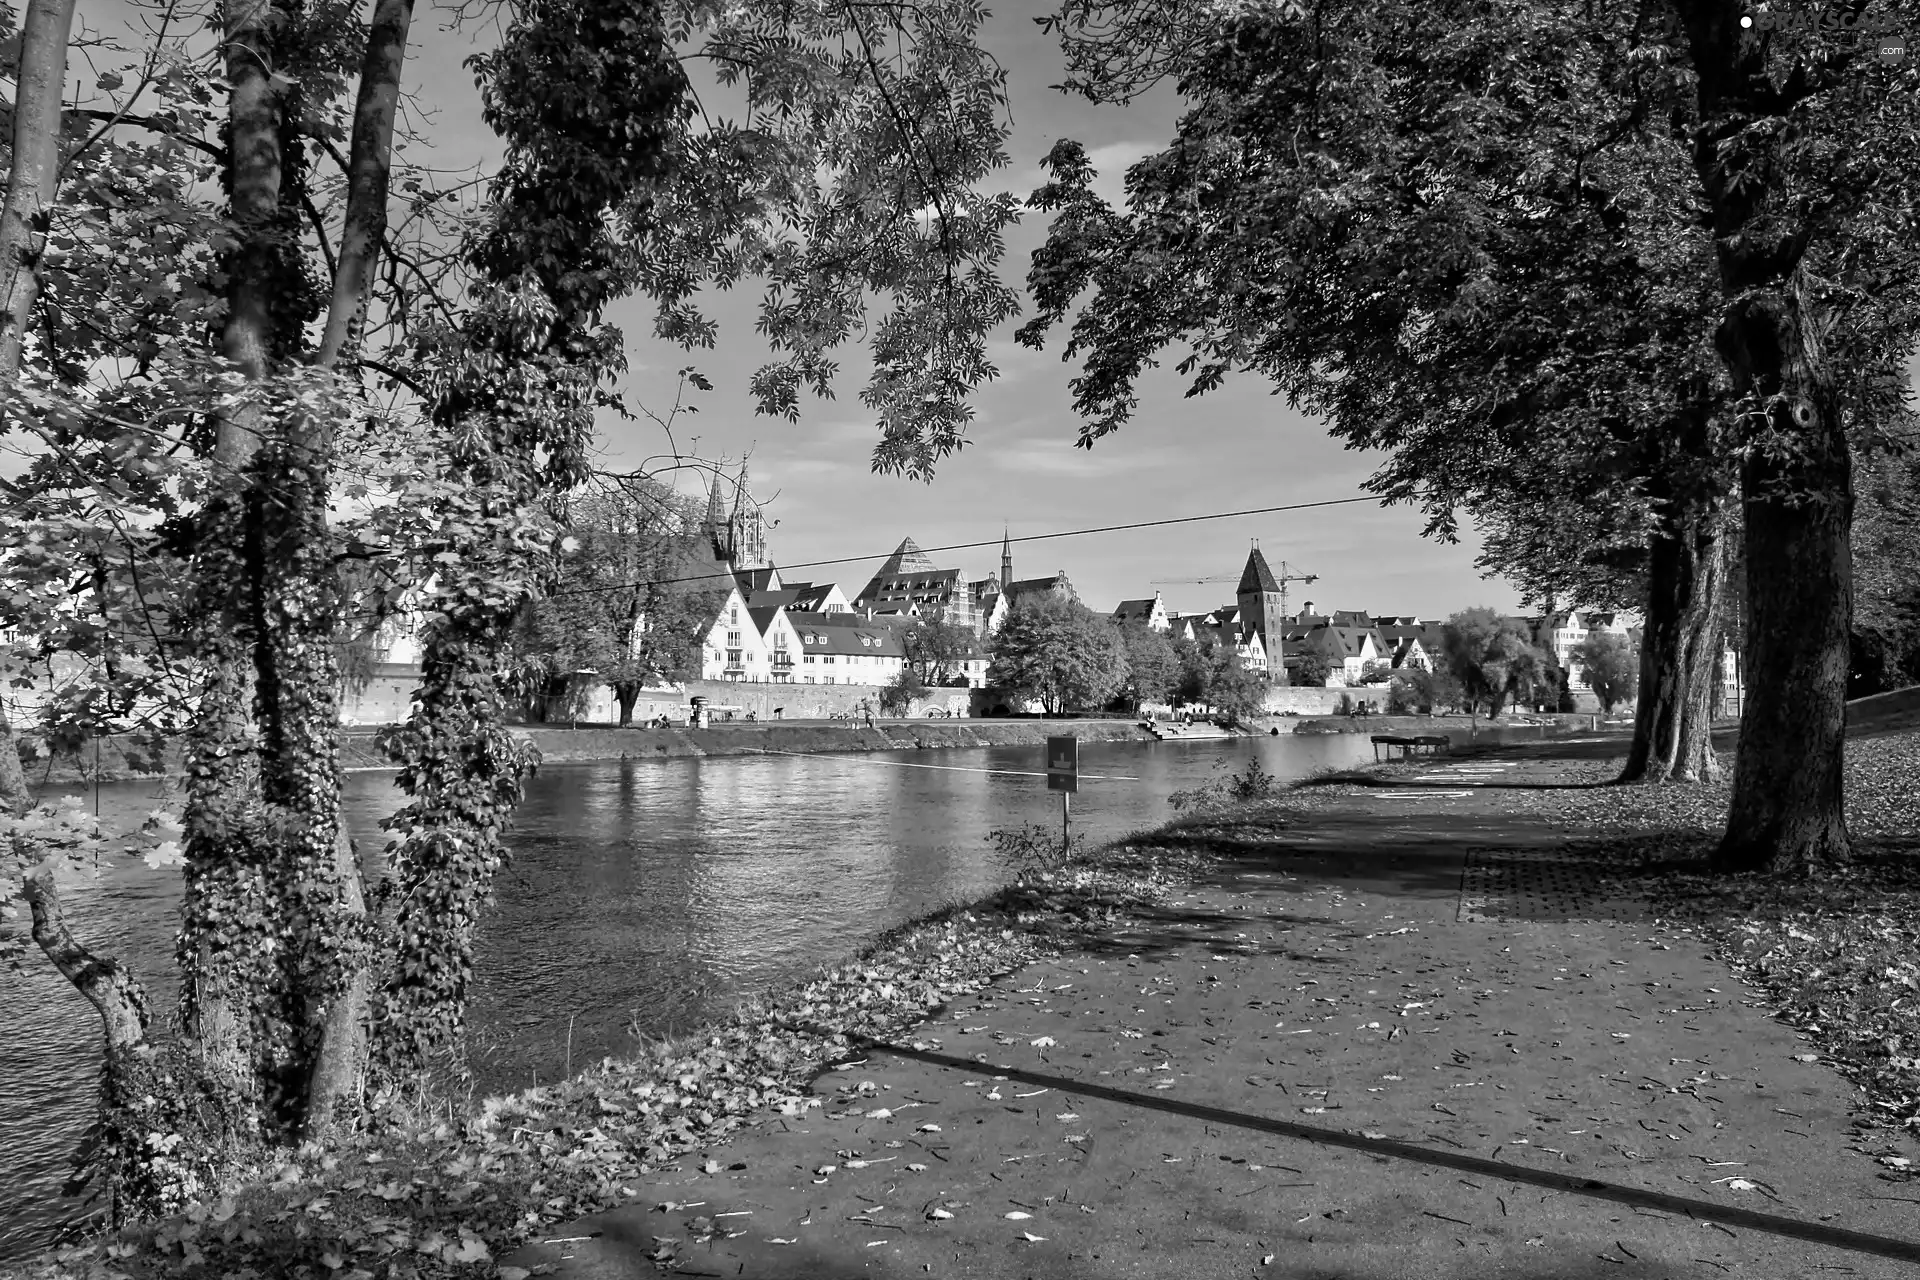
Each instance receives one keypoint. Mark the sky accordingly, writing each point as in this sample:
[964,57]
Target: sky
[1235,449]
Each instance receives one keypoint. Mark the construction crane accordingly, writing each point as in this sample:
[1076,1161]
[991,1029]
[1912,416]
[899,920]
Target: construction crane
[1283,578]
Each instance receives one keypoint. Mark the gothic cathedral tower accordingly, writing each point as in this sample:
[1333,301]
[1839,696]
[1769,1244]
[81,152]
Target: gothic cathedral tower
[1006,559]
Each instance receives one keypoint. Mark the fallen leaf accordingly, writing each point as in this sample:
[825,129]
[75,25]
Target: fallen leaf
[917,1168]
[1043,1042]
[1029,1236]
[1017,1216]
[941,1214]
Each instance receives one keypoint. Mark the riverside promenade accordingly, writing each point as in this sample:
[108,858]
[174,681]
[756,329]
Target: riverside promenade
[1394,1030]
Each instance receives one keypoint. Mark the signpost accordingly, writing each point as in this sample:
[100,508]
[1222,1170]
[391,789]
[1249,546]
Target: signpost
[1063,775]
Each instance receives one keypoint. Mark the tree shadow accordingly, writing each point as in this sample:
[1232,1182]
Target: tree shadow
[624,1246]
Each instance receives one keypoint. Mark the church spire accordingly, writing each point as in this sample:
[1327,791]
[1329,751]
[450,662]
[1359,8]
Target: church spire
[1006,558]
[716,505]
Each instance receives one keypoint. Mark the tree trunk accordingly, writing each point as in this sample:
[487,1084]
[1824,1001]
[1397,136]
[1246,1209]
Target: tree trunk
[627,695]
[1686,585]
[1787,813]
[104,981]
[36,170]
[340,1066]
[368,162]
[15,795]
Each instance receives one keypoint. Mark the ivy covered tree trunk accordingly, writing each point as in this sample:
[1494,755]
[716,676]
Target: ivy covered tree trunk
[1686,582]
[1787,813]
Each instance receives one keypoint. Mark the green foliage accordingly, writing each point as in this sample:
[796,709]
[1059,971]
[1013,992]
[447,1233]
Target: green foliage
[935,648]
[1236,693]
[1312,670]
[1035,847]
[1252,784]
[1058,651]
[896,698]
[1492,657]
[857,172]
[619,605]
[1153,666]
[1195,671]
[1612,667]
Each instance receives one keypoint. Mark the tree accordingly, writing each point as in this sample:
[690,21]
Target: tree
[199,500]
[935,648]
[1195,670]
[627,603]
[1324,643]
[1593,167]
[1312,670]
[1059,652]
[1610,390]
[1153,667]
[1236,691]
[1611,667]
[1492,657]
[896,698]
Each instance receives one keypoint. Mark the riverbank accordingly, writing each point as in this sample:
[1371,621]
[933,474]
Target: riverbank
[685,1153]
[116,760]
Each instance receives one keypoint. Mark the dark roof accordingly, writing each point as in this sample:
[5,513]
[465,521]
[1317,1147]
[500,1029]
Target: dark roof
[762,616]
[906,558]
[1257,576]
[1025,585]
[839,633]
[937,584]
[772,599]
[1127,608]
[752,580]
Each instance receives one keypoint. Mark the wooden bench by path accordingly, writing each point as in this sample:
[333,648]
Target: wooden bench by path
[1422,744]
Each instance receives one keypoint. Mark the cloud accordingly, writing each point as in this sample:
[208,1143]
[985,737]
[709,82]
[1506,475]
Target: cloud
[1058,456]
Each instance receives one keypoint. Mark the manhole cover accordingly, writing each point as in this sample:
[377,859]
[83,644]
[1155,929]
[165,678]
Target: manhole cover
[1510,885]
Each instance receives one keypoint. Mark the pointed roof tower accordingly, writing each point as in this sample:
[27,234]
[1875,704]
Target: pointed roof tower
[906,558]
[742,500]
[716,505]
[1006,557]
[1258,577]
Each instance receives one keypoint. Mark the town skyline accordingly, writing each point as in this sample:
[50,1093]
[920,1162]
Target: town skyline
[1108,576]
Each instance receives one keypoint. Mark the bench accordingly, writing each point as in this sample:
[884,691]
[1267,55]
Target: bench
[1423,744]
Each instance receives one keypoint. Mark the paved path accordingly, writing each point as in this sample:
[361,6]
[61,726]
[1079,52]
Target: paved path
[1361,974]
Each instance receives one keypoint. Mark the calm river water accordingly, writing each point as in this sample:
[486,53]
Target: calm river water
[645,893]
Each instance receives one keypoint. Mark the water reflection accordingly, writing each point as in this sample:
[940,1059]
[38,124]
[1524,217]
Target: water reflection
[651,892]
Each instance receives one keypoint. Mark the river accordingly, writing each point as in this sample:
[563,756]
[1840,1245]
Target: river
[644,894]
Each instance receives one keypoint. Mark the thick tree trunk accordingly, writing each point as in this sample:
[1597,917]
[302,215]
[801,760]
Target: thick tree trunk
[223,810]
[1787,811]
[36,170]
[1686,583]
[626,695]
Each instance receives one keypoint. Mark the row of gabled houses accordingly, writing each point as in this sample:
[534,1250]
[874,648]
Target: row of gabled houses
[1356,643]
[771,630]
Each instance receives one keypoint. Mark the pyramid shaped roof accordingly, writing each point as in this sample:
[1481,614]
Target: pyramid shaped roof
[1257,576]
[906,558]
